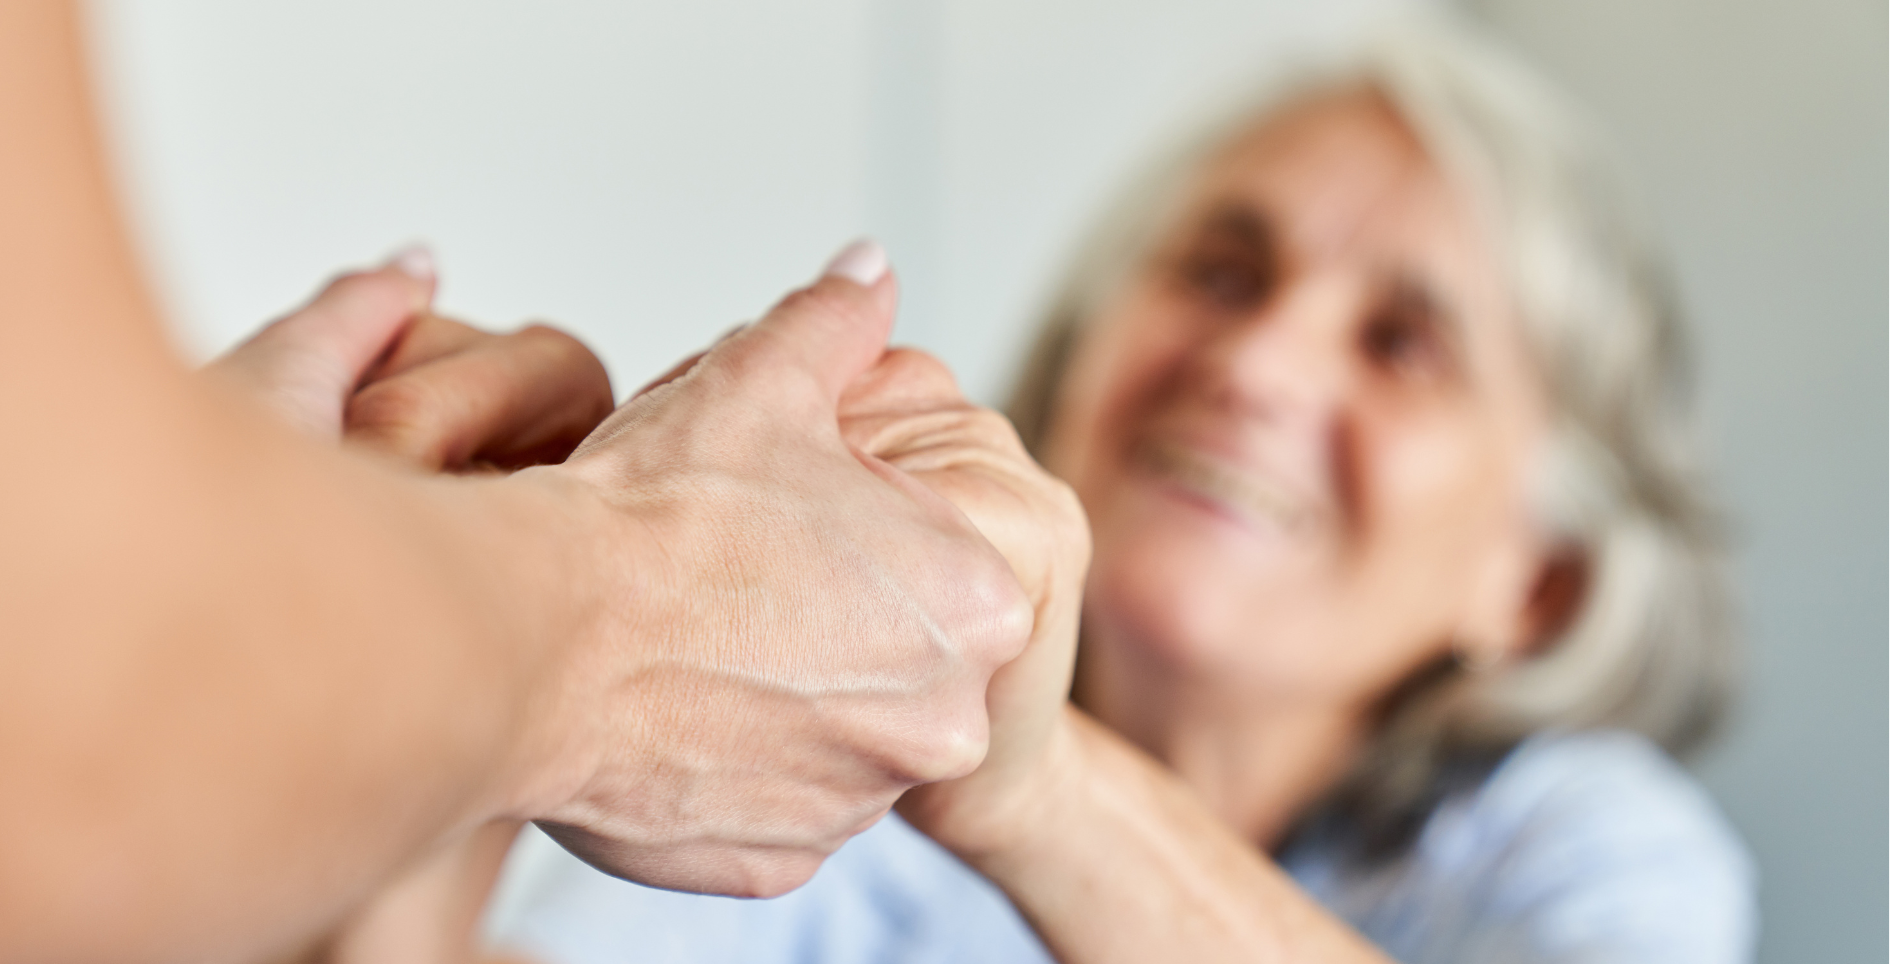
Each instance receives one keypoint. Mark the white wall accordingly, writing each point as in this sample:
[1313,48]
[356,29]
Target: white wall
[647,174]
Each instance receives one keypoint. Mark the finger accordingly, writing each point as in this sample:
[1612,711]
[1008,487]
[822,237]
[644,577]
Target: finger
[521,399]
[831,331]
[903,379]
[306,363]
[427,338]
[353,320]
[907,394]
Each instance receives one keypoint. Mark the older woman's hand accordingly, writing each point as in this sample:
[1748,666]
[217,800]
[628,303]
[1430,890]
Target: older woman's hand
[907,411]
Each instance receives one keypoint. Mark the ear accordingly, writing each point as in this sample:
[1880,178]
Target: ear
[1555,599]
[1528,591]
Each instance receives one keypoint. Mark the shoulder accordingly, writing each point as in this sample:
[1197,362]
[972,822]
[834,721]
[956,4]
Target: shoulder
[1588,846]
[1597,840]
[1592,775]
[1602,795]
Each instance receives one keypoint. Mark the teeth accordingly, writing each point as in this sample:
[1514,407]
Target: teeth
[1215,480]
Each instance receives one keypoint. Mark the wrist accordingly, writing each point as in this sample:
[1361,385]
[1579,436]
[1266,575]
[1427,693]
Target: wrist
[987,827]
[551,545]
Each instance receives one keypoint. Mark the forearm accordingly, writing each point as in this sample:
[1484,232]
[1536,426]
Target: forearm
[1123,863]
[431,915]
[245,677]
[249,679]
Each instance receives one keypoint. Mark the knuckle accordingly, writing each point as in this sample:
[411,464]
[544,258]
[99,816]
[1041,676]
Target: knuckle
[915,369]
[429,337]
[992,427]
[434,324]
[572,358]
[954,749]
[553,341]
[777,874]
[1013,622]
[735,365]
[402,415]
[750,369]
[395,402]
[905,380]
[999,619]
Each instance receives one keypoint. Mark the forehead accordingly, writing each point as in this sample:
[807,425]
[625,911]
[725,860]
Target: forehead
[1342,174]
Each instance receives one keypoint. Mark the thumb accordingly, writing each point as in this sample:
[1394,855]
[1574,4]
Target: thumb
[306,364]
[833,330]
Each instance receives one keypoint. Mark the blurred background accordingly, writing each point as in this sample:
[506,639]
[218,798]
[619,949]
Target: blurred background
[646,174]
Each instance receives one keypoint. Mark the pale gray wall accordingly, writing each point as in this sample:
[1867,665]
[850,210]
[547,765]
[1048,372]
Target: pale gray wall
[649,173]
[1758,133]
[646,173]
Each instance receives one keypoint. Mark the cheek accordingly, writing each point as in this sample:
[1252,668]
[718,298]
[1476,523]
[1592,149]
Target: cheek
[1115,374]
[1436,506]
[1437,490]
[1316,629]
[1333,623]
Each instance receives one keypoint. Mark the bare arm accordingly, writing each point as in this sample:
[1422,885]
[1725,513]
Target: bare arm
[439,395]
[249,677]
[1118,861]
[203,611]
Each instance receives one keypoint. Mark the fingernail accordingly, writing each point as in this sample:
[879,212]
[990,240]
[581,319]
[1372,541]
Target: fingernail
[415,262]
[862,262]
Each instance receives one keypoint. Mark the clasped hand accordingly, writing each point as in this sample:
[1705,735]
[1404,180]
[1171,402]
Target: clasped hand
[808,557]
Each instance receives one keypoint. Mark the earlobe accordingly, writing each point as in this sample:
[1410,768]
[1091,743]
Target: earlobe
[1528,594]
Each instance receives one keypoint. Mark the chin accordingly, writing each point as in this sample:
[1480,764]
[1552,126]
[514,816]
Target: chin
[1186,595]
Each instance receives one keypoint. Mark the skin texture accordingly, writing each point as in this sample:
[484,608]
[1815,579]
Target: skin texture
[1303,436]
[1305,453]
[345,667]
[906,410]
[359,364]
[1277,435]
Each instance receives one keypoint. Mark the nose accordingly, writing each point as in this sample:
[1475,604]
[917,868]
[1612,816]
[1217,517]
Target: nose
[1285,362]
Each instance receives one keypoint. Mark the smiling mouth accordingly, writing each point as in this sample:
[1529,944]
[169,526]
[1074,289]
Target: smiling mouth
[1246,494]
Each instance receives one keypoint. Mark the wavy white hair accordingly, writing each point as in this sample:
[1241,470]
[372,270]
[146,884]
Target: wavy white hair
[1650,647]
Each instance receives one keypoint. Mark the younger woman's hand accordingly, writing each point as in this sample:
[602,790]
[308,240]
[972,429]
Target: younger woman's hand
[303,366]
[449,397]
[367,360]
[907,412]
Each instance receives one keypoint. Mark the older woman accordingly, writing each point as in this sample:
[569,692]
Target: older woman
[1401,581]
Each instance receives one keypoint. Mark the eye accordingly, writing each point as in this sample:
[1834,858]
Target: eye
[1229,264]
[1229,281]
[1407,336]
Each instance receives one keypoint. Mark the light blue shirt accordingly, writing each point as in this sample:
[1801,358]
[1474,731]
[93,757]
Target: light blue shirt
[1585,848]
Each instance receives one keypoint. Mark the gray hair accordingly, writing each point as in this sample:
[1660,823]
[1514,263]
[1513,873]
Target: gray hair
[1651,646]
